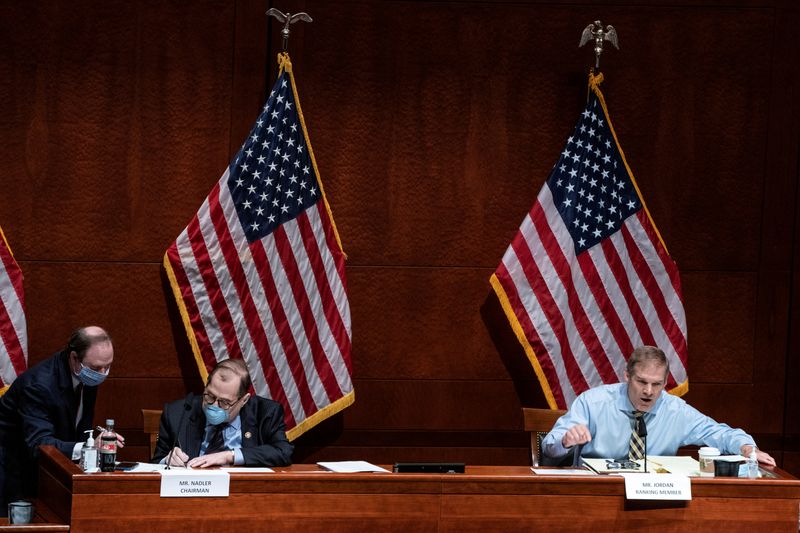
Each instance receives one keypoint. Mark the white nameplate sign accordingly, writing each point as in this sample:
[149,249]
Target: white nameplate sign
[657,487]
[188,483]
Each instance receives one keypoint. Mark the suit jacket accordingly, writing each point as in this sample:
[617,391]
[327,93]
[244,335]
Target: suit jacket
[264,441]
[40,408]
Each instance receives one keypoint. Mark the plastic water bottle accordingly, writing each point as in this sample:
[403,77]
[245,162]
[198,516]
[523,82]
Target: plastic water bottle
[108,448]
[752,464]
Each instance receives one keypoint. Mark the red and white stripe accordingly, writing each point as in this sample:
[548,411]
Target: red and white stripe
[583,315]
[13,330]
[279,303]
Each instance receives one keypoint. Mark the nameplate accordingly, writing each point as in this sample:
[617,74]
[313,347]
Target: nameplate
[182,483]
[657,487]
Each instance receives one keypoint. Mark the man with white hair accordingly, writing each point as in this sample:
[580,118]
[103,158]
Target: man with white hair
[225,426]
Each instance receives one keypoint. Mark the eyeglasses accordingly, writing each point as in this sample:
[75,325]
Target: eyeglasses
[621,465]
[210,399]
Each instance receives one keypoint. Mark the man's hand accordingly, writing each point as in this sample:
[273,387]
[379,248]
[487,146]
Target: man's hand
[763,457]
[120,439]
[178,457]
[223,458]
[577,434]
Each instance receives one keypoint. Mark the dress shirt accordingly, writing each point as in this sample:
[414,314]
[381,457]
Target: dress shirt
[671,423]
[232,435]
[76,450]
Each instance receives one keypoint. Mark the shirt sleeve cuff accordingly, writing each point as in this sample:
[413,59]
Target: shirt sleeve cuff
[740,443]
[76,451]
[553,447]
[238,458]
[559,450]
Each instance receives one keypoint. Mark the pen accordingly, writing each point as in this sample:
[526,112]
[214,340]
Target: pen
[178,444]
[659,467]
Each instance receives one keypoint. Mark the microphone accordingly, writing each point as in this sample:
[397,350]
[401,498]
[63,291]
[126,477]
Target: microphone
[187,406]
[641,430]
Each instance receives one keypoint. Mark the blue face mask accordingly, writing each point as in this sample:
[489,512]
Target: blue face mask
[89,377]
[215,415]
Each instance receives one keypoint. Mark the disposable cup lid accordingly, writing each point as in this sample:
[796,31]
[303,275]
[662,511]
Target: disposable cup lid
[708,450]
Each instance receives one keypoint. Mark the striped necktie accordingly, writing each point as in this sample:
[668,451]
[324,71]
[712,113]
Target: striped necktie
[216,441]
[636,451]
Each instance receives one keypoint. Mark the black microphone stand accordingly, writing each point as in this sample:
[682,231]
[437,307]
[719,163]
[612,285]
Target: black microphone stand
[641,430]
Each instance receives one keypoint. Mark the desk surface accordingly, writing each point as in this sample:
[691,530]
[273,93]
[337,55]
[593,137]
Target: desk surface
[495,498]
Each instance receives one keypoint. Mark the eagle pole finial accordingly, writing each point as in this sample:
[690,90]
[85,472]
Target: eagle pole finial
[287,19]
[597,32]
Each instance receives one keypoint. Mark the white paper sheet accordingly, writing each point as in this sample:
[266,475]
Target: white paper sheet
[563,472]
[148,467]
[351,467]
[247,469]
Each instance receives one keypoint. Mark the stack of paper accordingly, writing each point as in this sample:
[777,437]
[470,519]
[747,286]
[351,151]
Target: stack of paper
[656,464]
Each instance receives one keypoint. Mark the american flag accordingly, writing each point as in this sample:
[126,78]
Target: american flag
[258,273]
[13,330]
[587,278]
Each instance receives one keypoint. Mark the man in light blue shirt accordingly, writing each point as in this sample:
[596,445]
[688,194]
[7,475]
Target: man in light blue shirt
[602,419]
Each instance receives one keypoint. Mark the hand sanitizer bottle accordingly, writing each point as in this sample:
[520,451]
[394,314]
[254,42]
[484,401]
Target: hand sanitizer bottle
[89,454]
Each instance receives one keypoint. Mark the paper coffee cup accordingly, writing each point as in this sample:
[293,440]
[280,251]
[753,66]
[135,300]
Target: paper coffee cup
[706,456]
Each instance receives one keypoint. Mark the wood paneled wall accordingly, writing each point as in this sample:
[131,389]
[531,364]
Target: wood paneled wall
[434,125]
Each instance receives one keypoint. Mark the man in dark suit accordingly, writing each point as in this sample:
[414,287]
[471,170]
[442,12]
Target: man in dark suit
[51,403]
[225,426]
